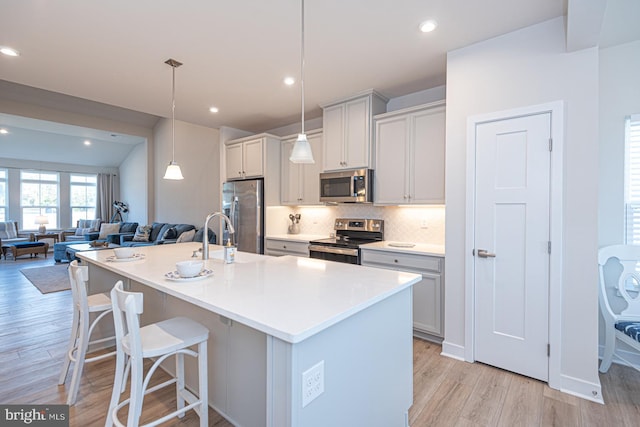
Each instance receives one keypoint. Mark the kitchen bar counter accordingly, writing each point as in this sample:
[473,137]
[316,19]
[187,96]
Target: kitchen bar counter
[274,319]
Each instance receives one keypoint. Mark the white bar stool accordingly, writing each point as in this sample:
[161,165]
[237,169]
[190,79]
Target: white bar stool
[160,341]
[82,329]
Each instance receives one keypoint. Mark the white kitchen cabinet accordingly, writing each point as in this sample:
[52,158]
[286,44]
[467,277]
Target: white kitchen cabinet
[347,126]
[427,294]
[246,158]
[300,183]
[410,156]
[279,247]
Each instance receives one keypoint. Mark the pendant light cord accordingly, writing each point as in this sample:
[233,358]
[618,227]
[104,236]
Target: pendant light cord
[173,116]
[302,64]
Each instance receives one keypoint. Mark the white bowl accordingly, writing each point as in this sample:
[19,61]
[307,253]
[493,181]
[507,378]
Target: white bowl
[189,268]
[122,253]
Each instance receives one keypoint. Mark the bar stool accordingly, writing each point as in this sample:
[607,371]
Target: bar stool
[82,329]
[160,341]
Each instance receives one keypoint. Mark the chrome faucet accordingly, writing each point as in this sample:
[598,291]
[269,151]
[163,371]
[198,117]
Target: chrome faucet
[205,235]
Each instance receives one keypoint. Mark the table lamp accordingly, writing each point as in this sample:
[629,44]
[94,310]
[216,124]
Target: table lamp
[42,220]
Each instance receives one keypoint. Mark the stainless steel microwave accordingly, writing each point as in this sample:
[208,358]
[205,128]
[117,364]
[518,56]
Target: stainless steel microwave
[352,186]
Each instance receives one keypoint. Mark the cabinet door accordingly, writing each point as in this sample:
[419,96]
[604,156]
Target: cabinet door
[357,133]
[233,155]
[391,177]
[427,157]
[311,172]
[252,158]
[427,302]
[333,129]
[289,177]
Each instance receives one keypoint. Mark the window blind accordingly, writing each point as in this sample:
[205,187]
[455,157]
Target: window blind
[632,180]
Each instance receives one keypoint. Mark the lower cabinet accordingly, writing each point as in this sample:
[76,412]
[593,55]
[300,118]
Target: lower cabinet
[279,247]
[427,294]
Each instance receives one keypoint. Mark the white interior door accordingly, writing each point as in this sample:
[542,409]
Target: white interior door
[511,243]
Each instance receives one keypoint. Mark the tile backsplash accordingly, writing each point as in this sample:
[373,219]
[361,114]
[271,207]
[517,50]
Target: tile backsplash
[420,224]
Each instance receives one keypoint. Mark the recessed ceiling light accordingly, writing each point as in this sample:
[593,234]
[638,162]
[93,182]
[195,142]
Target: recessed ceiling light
[4,131]
[87,142]
[289,81]
[9,51]
[428,26]
[214,109]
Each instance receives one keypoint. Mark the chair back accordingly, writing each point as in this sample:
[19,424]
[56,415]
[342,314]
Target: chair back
[127,307]
[78,278]
[620,295]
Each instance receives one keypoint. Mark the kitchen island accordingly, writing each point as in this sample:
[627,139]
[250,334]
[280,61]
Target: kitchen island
[274,323]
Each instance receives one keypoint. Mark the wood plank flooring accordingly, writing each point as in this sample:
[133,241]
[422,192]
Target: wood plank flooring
[34,329]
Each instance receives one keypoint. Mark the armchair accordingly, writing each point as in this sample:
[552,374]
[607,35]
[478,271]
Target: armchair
[87,230]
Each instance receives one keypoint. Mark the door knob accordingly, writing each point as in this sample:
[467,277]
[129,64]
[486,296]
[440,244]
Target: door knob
[482,253]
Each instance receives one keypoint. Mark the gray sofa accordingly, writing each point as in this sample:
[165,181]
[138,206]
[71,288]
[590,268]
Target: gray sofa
[161,233]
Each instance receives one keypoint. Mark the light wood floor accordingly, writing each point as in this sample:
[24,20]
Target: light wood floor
[34,330]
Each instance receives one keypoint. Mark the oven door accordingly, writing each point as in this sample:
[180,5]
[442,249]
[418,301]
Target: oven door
[331,253]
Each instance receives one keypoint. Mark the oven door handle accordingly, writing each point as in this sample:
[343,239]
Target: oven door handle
[332,250]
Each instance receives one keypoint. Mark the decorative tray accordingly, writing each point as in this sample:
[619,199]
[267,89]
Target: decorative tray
[135,257]
[174,276]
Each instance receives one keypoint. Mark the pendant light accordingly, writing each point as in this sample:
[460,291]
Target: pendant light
[173,169]
[301,152]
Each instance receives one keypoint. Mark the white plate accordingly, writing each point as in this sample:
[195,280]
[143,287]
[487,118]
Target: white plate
[173,275]
[402,245]
[135,257]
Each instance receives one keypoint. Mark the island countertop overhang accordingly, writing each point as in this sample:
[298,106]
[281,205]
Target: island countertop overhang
[290,298]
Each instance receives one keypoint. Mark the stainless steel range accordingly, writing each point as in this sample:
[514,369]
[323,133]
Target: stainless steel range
[350,234]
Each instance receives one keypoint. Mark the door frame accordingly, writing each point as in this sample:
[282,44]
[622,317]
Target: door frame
[556,109]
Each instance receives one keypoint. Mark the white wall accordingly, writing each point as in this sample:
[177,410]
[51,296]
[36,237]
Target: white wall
[198,154]
[619,97]
[523,68]
[134,189]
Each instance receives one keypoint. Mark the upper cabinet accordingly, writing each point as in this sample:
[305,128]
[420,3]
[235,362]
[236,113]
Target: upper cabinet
[347,126]
[247,157]
[410,156]
[300,183]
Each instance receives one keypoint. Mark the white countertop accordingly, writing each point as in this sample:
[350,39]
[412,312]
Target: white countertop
[419,248]
[297,237]
[291,298]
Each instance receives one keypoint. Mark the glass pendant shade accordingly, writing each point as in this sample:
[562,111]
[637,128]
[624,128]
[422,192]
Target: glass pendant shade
[173,171]
[301,152]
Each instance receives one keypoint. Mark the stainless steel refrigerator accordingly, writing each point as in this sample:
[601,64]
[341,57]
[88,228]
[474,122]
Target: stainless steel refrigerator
[243,203]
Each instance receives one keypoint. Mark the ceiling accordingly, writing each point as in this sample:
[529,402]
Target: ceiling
[236,54]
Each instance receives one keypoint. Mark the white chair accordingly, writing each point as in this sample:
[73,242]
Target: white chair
[620,300]
[159,341]
[82,328]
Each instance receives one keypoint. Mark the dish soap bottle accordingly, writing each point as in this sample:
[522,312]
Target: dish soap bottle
[229,253]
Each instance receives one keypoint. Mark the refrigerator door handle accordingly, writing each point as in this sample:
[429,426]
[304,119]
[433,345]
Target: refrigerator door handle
[234,222]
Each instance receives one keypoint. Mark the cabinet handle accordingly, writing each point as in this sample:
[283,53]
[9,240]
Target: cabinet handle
[284,246]
[239,172]
[395,260]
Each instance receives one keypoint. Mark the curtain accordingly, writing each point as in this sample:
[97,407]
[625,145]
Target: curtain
[108,192]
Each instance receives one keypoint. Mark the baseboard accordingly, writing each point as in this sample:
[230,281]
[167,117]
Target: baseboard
[581,388]
[453,351]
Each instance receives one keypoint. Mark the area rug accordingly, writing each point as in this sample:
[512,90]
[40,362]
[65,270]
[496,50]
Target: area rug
[53,278]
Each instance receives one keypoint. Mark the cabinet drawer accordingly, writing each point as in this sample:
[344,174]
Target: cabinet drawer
[287,246]
[400,260]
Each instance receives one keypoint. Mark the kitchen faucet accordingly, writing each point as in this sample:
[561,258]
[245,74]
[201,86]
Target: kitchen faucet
[205,235]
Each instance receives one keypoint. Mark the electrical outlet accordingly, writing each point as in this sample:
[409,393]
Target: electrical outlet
[424,223]
[312,383]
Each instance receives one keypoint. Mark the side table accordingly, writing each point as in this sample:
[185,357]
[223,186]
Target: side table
[36,237]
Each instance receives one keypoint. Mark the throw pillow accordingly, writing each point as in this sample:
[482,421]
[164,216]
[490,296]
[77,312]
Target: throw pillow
[187,236]
[8,230]
[170,234]
[142,233]
[82,231]
[108,228]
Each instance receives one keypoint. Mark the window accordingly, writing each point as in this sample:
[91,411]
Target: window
[38,196]
[4,202]
[83,195]
[632,180]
